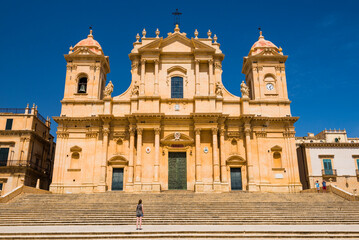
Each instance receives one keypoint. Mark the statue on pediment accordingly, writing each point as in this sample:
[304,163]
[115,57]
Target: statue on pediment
[219,89]
[108,89]
[244,89]
[135,89]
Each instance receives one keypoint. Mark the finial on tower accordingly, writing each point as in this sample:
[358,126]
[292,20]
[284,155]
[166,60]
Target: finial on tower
[177,29]
[196,34]
[90,35]
[138,37]
[144,33]
[209,34]
[260,34]
[157,33]
[215,38]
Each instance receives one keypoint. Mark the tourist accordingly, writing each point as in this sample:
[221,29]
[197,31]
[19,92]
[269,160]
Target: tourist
[317,186]
[324,183]
[139,214]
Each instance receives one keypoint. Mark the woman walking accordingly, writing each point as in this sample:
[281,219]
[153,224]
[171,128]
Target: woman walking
[139,214]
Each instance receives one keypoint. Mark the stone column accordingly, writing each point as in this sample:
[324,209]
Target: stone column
[139,153]
[198,159]
[198,156]
[157,155]
[215,156]
[130,163]
[105,132]
[210,77]
[143,72]
[223,157]
[247,131]
[197,77]
[156,78]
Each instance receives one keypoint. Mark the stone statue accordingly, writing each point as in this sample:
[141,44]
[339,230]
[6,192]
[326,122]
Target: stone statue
[219,89]
[244,90]
[135,89]
[108,89]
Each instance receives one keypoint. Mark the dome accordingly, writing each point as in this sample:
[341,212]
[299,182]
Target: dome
[91,43]
[261,44]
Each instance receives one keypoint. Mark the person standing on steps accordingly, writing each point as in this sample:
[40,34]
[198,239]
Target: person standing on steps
[324,183]
[139,214]
[317,186]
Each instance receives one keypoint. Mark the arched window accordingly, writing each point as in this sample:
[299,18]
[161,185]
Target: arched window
[176,87]
[82,85]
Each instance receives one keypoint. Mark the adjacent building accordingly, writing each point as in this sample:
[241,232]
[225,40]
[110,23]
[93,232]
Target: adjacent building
[331,156]
[27,149]
[176,126]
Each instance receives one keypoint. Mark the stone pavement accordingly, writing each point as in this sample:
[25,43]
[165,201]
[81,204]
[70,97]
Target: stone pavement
[243,232]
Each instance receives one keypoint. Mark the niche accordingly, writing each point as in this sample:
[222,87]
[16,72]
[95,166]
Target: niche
[277,157]
[234,146]
[119,146]
[75,160]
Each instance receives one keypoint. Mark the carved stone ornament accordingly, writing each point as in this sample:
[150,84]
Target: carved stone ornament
[205,150]
[219,91]
[244,90]
[148,150]
[135,89]
[108,89]
[177,136]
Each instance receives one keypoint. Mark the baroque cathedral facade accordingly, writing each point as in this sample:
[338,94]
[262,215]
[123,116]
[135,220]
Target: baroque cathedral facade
[176,127]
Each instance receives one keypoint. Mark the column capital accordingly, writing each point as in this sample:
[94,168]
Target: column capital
[157,130]
[156,61]
[210,61]
[139,131]
[221,131]
[197,61]
[214,131]
[198,131]
[106,131]
[143,61]
[132,130]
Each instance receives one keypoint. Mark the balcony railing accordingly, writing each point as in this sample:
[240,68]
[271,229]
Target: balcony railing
[329,172]
[23,163]
[14,110]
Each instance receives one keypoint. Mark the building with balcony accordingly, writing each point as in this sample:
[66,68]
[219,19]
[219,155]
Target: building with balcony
[27,149]
[330,155]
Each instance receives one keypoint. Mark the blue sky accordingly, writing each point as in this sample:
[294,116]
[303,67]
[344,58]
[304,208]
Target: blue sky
[321,39]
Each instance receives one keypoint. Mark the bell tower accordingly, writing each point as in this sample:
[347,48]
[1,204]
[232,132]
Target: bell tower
[265,71]
[87,67]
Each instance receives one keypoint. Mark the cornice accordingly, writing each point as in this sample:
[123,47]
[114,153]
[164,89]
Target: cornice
[274,101]
[20,133]
[76,119]
[335,145]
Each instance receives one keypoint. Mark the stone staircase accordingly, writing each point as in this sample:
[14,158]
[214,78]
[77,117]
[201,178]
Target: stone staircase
[180,208]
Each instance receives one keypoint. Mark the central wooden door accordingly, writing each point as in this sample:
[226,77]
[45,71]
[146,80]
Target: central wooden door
[236,179]
[117,179]
[177,171]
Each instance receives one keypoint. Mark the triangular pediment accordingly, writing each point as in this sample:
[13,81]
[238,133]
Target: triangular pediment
[84,51]
[176,42]
[269,52]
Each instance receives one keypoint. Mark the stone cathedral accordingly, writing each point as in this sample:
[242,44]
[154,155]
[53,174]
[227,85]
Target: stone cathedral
[176,127]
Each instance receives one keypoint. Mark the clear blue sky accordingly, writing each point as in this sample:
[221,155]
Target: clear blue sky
[320,37]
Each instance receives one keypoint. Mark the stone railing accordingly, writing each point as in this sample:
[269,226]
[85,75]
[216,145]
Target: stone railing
[20,190]
[337,191]
[342,193]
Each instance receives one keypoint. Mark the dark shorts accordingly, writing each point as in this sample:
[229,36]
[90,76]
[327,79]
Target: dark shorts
[139,215]
[324,187]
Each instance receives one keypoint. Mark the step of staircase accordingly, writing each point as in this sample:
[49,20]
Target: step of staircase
[179,208]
